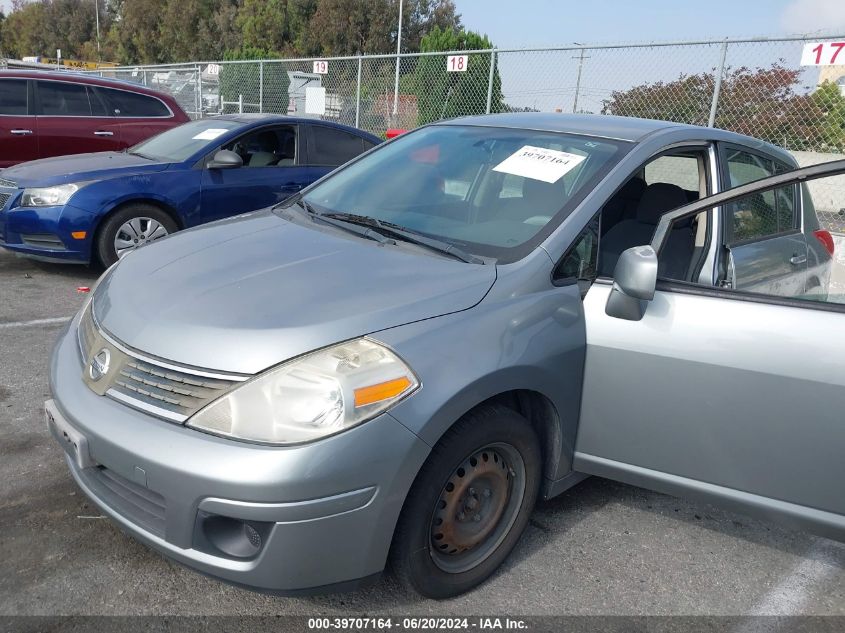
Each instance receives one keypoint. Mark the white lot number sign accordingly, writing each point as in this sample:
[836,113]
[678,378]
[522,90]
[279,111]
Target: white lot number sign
[823,54]
[457,63]
[539,163]
[321,67]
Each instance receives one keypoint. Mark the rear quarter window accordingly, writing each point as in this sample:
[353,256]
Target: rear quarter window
[131,104]
[330,146]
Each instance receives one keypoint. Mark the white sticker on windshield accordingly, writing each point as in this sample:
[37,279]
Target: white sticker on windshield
[548,165]
[210,134]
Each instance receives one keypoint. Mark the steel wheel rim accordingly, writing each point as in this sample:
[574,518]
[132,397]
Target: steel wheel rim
[135,233]
[475,510]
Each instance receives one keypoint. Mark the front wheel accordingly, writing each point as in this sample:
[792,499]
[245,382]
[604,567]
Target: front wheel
[129,228]
[469,504]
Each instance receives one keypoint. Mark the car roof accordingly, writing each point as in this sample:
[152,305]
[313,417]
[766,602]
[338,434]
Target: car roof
[256,118]
[76,76]
[620,128]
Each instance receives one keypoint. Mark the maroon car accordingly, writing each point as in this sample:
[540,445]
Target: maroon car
[51,113]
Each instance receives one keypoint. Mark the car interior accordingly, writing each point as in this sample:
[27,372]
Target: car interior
[275,147]
[630,217]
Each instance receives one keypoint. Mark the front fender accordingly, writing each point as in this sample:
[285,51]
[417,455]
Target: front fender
[532,342]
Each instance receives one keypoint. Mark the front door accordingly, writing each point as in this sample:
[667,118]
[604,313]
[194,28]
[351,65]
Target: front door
[272,171]
[735,396]
[18,132]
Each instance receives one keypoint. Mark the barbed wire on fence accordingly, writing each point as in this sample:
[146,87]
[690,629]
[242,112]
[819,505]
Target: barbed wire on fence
[755,86]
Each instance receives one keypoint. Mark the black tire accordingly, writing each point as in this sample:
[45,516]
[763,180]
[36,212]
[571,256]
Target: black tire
[415,557]
[104,244]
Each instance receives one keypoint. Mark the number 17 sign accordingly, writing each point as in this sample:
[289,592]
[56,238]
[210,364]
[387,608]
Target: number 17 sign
[823,54]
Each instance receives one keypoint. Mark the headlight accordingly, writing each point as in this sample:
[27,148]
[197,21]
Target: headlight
[314,396]
[48,196]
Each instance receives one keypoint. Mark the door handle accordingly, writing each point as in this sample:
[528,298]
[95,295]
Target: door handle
[797,260]
[103,133]
[21,132]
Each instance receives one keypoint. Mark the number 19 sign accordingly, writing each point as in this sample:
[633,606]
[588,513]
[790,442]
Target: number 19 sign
[457,63]
[823,54]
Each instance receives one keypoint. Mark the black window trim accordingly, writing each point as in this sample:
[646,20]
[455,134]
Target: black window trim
[30,105]
[37,90]
[797,207]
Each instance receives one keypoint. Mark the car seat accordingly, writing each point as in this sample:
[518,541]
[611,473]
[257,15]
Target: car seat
[657,199]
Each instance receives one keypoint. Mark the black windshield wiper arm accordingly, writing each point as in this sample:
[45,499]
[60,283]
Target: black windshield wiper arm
[406,235]
[357,228]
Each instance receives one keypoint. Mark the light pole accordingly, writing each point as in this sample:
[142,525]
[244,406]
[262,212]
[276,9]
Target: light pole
[398,50]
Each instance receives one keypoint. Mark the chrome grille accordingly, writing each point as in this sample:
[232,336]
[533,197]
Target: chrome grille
[4,198]
[10,184]
[175,391]
[154,387]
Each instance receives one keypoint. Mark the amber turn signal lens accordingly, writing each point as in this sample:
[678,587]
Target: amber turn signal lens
[381,391]
[78,235]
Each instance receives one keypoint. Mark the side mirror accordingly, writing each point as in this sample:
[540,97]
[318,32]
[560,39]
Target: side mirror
[634,281]
[225,159]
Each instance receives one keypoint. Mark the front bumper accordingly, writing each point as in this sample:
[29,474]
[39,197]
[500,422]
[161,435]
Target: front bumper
[325,511]
[45,233]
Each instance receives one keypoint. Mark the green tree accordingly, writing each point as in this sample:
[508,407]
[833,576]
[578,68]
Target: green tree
[270,88]
[442,94]
[766,103]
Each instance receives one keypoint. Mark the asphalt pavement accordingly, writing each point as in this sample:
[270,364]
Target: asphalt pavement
[603,548]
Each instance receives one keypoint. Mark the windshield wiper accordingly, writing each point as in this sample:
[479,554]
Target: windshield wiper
[147,156]
[405,234]
[351,227]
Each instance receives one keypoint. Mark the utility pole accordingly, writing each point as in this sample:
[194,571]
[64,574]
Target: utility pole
[97,15]
[580,59]
[398,59]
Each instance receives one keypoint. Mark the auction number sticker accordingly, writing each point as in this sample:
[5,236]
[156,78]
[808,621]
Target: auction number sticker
[210,134]
[823,53]
[321,67]
[539,163]
[457,63]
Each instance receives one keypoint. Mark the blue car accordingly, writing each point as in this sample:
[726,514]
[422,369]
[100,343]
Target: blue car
[98,207]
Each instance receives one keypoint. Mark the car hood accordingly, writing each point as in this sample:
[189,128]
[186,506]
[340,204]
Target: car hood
[79,168]
[247,293]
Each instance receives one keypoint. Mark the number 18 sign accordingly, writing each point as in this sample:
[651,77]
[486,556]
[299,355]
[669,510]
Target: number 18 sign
[457,63]
[823,54]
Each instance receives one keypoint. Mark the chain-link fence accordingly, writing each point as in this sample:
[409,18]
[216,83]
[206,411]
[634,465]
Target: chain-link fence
[753,86]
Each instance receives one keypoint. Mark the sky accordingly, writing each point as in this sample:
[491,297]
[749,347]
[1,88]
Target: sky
[522,23]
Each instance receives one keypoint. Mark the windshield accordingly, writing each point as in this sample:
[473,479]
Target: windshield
[492,191]
[179,143]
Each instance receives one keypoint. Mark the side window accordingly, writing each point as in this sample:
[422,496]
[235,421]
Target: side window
[131,104]
[330,146]
[580,261]
[803,265]
[57,98]
[681,171]
[13,97]
[760,215]
[273,147]
[98,106]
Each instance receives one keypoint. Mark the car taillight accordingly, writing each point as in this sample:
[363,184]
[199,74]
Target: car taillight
[826,239]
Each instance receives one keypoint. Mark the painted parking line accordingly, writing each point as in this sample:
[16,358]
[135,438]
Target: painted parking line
[35,322]
[790,596]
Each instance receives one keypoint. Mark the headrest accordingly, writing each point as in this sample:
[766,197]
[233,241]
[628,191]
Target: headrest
[658,199]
